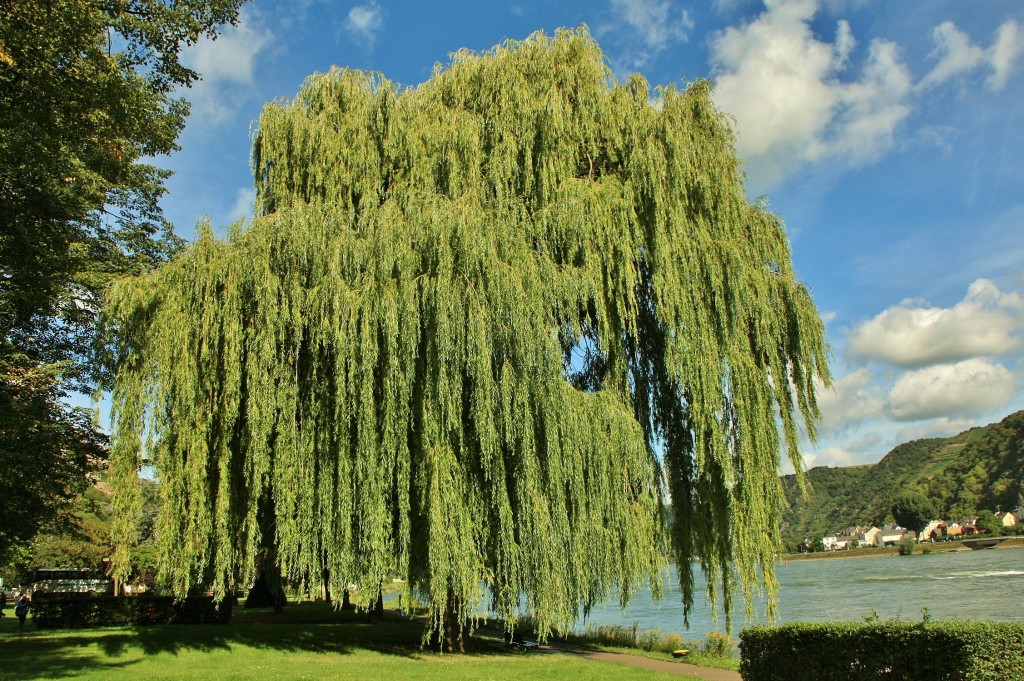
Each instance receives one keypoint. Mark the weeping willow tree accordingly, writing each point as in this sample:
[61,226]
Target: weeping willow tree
[482,330]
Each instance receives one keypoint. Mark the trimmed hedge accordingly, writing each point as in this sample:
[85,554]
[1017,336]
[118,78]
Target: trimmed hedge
[956,650]
[51,611]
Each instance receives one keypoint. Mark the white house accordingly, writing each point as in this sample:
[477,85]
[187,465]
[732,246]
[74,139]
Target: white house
[932,530]
[892,537]
[866,537]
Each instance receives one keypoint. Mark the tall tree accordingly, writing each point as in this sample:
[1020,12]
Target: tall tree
[46,450]
[77,204]
[479,329]
[914,510]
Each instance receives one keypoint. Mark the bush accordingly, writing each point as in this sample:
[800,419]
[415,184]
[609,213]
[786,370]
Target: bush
[714,645]
[956,650]
[717,645]
[61,611]
[907,546]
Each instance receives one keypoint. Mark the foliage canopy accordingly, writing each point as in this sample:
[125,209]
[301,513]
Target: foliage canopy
[479,329]
[914,511]
[78,206]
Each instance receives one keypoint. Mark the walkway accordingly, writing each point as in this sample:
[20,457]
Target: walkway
[641,662]
[638,661]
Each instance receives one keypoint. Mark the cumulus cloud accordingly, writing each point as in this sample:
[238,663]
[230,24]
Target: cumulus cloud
[986,323]
[227,66]
[852,400]
[364,22]
[970,387]
[644,28]
[783,86]
[941,427]
[957,56]
[832,455]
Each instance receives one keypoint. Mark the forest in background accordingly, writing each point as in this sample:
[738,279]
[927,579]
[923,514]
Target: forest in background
[979,469]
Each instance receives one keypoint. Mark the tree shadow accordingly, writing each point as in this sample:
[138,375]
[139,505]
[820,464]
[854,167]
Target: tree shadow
[60,654]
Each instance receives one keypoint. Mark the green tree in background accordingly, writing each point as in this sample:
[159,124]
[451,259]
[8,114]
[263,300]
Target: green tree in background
[46,451]
[988,523]
[85,94]
[465,320]
[913,511]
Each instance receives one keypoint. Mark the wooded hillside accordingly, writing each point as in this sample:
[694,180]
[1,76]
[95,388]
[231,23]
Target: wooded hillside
[981,468]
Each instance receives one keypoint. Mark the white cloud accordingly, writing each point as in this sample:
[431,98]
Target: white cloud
[1004,52]
[826,456]
[940,427]
[957,56]
[852,400]
[955,53]
[655,21]
[867,442]
[970,387]
[245,204]
[227,65]
[783,85]
[364,22]
[645,28]
[986,323]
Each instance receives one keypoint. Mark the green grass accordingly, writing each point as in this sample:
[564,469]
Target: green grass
[307,642]
[716,650]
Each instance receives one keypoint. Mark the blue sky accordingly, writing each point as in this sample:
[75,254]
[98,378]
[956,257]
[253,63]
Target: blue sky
[886,135]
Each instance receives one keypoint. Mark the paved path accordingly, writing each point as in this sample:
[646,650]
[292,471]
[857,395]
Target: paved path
[639,661]
[667,666]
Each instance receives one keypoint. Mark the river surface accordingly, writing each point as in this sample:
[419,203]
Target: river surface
[984,584]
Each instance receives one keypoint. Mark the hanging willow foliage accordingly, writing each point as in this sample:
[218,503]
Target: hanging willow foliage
[481,329]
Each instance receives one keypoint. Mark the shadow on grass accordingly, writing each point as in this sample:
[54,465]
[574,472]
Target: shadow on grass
[306,628]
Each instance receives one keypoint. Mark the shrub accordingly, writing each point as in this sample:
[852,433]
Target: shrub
[66,611]
[928,651]
[615,635]
[717,645]
[907,546]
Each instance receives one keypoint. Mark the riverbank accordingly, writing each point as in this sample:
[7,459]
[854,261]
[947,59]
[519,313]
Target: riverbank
[874,552]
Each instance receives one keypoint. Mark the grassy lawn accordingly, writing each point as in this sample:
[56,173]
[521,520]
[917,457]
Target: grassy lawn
[307,642]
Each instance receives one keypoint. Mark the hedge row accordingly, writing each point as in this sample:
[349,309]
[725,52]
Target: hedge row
[59,611]
[957,650]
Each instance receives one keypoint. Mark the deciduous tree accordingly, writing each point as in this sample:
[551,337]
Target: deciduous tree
[480,330]
[86,93]
[913,511]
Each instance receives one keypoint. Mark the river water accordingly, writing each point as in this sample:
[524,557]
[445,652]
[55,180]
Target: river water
[983,584]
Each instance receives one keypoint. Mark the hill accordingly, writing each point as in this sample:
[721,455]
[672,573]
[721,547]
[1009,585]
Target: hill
[982,468]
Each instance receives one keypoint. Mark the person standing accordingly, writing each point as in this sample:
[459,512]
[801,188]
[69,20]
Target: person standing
[21,609]
[3,601]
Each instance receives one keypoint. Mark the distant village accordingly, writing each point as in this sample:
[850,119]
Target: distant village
[892,535]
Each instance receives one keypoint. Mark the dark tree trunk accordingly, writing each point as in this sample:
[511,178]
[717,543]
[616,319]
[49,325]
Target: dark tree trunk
[268,589]
[377,610]
[346,599]
[453,628]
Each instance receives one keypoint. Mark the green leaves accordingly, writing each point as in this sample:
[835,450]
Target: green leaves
[476,328]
